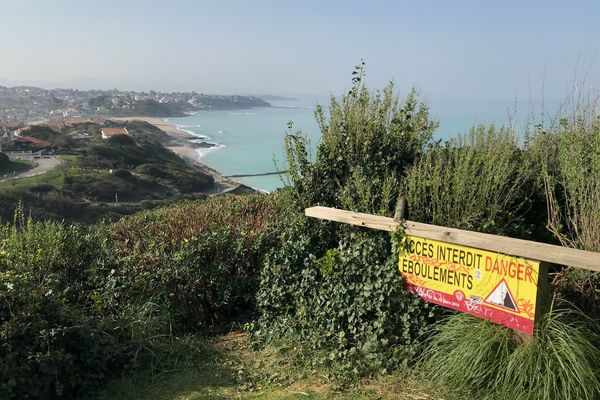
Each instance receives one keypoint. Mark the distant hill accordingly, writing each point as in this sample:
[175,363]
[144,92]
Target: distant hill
[28,103]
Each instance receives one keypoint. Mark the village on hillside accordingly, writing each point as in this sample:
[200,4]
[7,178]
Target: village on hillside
[29,142]
[27,103]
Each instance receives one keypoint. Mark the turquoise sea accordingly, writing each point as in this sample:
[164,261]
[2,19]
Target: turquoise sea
[250,141]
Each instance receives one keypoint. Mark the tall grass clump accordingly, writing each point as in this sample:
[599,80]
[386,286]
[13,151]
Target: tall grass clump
[478,359]
[475,182]
[569,153]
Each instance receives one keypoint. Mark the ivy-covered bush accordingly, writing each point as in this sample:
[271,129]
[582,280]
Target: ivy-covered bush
[346,305]
[336,290]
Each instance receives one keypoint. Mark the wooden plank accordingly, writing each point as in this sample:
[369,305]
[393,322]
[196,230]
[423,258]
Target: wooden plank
[498,244]
[353,218]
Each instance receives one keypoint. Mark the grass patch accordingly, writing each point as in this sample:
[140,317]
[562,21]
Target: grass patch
[72,161]
[53,178]
[231,369]
[478,359]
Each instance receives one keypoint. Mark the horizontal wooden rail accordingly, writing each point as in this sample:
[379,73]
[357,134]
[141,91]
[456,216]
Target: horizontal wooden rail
[498,244]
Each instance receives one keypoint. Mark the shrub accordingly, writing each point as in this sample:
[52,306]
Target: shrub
[126,153]
[483,360]
[52,344]
[154,170]
[122,173]
[188,182]
[185,180]
[121,140]
[336,292]
[41,188]
[4,160]
[199,260]
[64,326]
[572,178]
[367,143]
[569,153]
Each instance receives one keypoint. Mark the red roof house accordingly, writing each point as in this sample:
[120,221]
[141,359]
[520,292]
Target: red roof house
[36,141]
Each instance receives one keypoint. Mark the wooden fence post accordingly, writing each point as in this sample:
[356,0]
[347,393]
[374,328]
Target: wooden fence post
[401,213]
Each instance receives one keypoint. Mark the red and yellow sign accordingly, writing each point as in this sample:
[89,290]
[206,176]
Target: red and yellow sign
[496,287]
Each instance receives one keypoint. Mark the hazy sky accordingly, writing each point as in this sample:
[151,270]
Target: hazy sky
[448,49]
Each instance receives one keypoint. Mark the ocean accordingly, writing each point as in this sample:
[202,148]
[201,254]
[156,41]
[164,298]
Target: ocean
[250,141]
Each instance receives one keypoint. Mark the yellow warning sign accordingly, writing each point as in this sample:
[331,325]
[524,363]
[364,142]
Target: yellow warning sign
[500,288]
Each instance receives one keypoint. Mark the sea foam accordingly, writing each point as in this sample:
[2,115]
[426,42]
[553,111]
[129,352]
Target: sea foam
[204,151]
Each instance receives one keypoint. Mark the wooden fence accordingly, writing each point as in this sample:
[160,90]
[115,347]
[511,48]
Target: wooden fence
[498,244]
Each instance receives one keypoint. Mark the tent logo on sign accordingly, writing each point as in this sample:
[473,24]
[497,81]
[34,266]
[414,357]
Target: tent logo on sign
[501,296]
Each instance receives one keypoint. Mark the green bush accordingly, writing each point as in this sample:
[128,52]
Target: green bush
[482,360]
[4,160]
[125,153]
[188,182]
[199,260]
[569,153]
[154,170]
[571,159]
[336,292]
[185,180]
[41,188]
[52,344]
[122,173]
[79,305]
[367,143]
[121,140]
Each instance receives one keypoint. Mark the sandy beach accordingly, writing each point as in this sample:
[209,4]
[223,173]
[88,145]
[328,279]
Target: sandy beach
[183,149]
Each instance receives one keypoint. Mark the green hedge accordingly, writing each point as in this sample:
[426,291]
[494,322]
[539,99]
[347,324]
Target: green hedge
[201,262]
[80,304]
[52,343]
